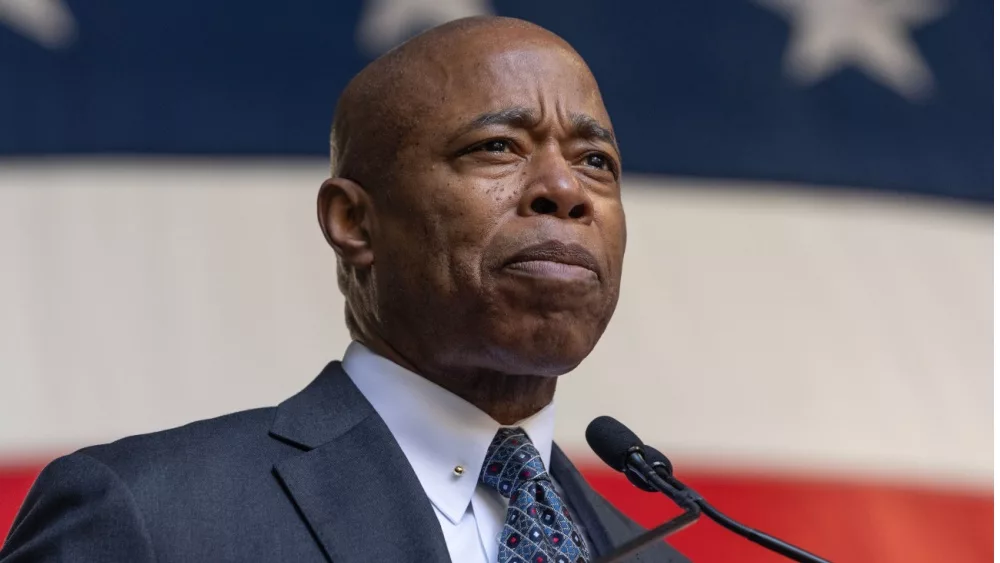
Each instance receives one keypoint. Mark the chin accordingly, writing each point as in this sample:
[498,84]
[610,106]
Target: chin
[550,352]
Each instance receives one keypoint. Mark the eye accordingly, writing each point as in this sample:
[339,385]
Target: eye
[599,161]
[495,145]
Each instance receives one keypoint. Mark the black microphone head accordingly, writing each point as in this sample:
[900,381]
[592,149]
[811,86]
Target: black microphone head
[656,459]
[611,441]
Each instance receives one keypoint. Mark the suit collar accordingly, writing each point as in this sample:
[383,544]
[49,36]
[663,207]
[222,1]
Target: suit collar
[326,409]
[352,483]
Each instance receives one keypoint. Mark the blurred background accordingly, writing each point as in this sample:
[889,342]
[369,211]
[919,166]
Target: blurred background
[806,316]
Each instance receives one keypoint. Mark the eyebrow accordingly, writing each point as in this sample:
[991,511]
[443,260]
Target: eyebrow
[589,128]
[584,125]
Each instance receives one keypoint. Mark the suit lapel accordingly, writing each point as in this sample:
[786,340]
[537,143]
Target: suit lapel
[579,495]
[352,483]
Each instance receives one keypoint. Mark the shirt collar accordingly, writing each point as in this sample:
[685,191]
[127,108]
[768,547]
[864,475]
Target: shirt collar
[436,429]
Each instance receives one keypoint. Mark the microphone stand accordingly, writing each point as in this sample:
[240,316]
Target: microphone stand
[694,505]
[663,530]
[760,538]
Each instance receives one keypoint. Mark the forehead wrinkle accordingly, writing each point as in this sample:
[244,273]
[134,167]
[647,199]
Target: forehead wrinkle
[515,116]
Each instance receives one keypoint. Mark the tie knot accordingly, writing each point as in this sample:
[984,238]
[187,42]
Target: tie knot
[511,460]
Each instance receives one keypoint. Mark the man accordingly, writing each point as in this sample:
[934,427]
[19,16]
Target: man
[476,215]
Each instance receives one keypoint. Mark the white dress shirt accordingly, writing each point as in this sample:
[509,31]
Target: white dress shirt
[445,439]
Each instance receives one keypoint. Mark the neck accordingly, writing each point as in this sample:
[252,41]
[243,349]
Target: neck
[506,398]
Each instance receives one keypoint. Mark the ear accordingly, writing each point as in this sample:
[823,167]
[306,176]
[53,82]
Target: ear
[346,216]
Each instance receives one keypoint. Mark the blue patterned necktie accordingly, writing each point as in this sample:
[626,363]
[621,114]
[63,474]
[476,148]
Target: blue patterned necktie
[538,527]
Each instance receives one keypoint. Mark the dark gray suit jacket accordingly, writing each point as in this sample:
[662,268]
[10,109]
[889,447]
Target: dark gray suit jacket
[318,478]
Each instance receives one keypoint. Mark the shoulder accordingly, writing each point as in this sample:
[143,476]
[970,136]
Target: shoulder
[74,500]
[208,452]
[228,434]
[114,501]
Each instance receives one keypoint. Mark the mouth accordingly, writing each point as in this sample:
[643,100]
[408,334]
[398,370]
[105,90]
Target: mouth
[554,260]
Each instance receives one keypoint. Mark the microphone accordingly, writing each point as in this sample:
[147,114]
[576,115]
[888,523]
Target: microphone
[621,449]
[613,443]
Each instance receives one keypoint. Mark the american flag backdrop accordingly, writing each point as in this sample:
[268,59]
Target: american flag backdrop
[805,324]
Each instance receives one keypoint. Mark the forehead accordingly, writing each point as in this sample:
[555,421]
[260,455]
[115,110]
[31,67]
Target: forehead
[549,79]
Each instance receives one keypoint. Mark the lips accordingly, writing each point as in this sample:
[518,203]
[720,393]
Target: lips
[555,259]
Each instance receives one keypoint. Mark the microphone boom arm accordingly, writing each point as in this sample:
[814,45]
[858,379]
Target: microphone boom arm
[675,487]
[760,538]
[663,530]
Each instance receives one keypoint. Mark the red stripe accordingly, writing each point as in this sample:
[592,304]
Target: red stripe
[842,521]
[14,485]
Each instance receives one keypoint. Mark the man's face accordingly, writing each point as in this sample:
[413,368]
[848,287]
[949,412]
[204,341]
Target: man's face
[501,237]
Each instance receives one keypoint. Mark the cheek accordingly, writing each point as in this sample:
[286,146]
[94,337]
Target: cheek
[448,230]
[614,234]
[622,236]
[470,214]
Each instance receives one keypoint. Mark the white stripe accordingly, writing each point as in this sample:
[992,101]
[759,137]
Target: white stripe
[758,326]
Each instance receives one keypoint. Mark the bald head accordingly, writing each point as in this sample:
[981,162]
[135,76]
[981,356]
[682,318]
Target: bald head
[385,101]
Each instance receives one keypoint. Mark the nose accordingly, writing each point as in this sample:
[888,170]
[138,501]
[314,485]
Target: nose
[553,189]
